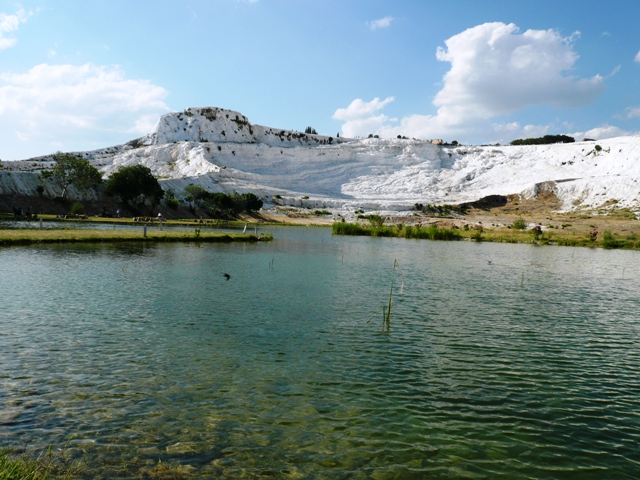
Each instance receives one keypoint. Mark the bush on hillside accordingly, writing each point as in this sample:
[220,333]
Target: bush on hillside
[546,140]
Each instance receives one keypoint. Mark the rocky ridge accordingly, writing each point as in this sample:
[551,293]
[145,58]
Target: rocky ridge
[222,151]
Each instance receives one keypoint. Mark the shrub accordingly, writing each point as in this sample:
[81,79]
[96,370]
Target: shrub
[609,241]
[77,209]
[375,220]
[173,203]
[170,199]
[519,224]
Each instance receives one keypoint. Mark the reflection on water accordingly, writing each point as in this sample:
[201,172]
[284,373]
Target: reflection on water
[503,361]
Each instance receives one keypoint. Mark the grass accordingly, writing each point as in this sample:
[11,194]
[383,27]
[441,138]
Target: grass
[47,466]
[431,232]
[27,237]
[185,222]
[562,237]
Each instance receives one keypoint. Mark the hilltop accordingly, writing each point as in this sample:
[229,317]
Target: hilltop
[222,151]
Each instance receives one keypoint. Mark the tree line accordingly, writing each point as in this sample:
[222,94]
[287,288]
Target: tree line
[546,140]
[221,204]
[135,185]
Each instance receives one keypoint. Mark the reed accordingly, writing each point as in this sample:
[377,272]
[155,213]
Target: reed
[431,232]
[386,310]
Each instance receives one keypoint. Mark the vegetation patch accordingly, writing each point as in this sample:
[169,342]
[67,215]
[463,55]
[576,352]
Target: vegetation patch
[221,204]
[30,237]
[431,232]
[47,466]
[519,224]
[546,140]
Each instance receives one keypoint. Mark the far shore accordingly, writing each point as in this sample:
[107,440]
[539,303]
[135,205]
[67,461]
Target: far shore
[49,236]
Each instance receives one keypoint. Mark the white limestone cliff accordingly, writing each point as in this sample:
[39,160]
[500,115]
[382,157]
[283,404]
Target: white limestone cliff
[222,151]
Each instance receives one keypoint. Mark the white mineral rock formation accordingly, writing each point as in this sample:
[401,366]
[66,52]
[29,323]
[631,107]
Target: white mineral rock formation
[220,150]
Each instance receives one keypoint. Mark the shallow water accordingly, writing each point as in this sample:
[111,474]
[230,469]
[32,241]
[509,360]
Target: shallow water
[502,361]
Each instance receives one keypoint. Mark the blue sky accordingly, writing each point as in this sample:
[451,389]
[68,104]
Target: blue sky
[77,75]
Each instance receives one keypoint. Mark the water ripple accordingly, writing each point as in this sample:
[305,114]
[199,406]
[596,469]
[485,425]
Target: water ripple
[528,367]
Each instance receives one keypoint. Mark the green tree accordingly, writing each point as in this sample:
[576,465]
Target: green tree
[134,184]
[72,170]
[252,202]
[546,140]
[195,194]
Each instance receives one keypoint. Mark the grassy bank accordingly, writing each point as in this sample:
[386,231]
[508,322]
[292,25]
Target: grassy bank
[27,237]
[570,238]
[259,221]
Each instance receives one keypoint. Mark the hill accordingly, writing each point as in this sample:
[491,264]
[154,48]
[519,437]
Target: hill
[222,151]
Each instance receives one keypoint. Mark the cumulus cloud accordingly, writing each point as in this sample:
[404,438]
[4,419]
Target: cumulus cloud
[78,106]
[637,59]
[602,132]
[496,71]
[360,117]
[384,22]
[10,23]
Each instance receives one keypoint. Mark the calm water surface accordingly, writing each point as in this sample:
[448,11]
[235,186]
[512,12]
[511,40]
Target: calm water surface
[502,361]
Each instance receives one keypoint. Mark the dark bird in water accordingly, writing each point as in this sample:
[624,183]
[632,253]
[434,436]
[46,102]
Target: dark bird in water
[227,276]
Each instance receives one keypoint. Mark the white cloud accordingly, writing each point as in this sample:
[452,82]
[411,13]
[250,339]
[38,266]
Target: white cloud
[637,59]
[359,109]
[633,112]
[75,105]
[602,132]
[10,23]
[360,118]
[384,22]
[497,71]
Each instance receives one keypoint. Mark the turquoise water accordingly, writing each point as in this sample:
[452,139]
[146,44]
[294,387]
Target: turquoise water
[501,362]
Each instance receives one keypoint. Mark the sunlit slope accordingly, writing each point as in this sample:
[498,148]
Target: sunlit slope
[221,150]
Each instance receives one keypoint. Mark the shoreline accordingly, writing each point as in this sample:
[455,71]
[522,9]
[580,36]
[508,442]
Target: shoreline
[42,237]
[450,229]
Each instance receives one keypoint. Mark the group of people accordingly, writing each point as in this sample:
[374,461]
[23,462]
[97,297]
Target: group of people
[20,214]
[148,219]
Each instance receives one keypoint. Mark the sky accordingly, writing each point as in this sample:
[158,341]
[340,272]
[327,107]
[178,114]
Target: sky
[80,75]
